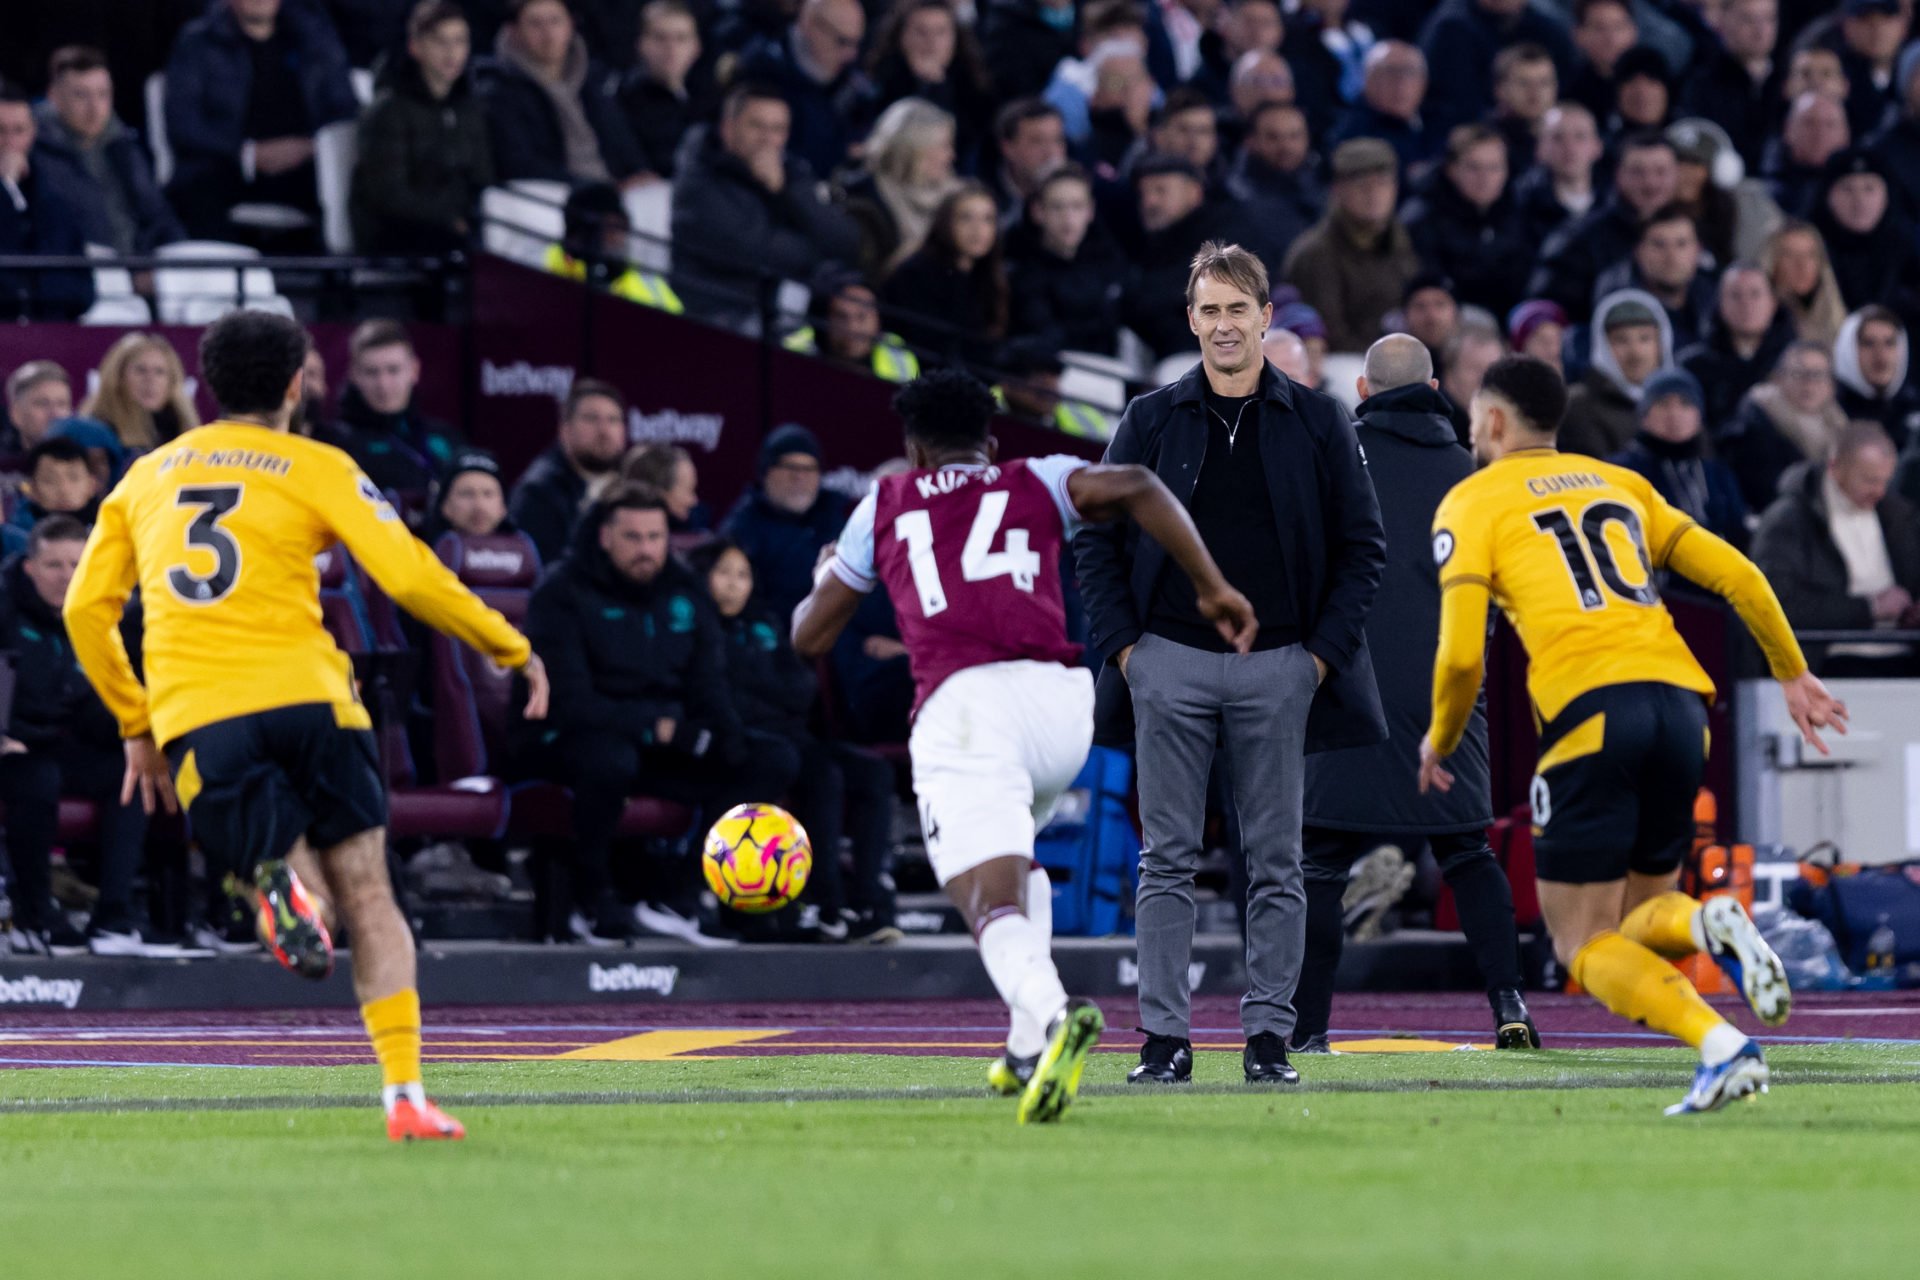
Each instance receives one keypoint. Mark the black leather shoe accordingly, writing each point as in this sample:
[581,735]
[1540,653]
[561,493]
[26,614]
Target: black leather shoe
[1164,1060]
[1266,1061]
[1512,1026]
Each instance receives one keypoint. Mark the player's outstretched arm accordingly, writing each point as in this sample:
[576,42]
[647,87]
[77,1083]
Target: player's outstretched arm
[824,614]
[1102,493]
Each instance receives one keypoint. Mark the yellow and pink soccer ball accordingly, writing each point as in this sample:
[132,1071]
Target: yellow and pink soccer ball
[757,858]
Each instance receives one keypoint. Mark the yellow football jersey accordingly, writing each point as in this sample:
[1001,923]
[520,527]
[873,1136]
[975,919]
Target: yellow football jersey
[1567,546]
[219,530]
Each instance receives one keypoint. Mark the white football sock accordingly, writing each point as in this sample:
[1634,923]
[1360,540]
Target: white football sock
[1040,904]
[1721,1044]
[1021,966]
[392,1093]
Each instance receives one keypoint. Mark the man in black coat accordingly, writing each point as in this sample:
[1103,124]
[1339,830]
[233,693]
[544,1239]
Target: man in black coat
[1737,86]
[108,172]
[1745,338]
[1466,225]
[593,435]
[1278,488]
[401,449]
[38,218]
[60,740]
[1360,799]
[1573,258]
[550,105]
[640,705]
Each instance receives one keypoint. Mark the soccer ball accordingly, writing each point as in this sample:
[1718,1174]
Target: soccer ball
[757,858]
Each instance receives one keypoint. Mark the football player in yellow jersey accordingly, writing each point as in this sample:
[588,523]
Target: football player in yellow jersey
[1568,546]
[249,714]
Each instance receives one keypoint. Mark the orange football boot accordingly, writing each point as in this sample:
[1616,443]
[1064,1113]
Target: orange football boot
[289,922]
[426,1122]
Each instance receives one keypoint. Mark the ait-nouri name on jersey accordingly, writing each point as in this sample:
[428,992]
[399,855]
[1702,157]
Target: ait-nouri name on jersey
[970,556]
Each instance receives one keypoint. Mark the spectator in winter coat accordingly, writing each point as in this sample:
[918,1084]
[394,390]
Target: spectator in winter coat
[550,496]
[248,86]
[1795,164]
[1869,240]
[1790,418]
[1525,87]
[844,329]
[1843,553]
[667,91]
[1743,343]
[1737,86]
[1326,47]
[738,185]
[1032,143]
[1897,144]
[1466,225]
[906,171]
[38,395]
[1603,31]
[38,218]
[425,154]
[1559,186]
[469,497]
[668,470]
[1536,328]
[1667,262]
[1273,178]
[1671,452]
[1643,88]
[142,393]
[1869,39]
[60,740]
[1243,27]
[814,66]
[400,448]
[1175,220]
[550,107]
[1390,106]
[950,297]
[1795,260]
[108,173]
[1464,36]
[58,480]
[784,520]
[1352,266]
[1066,275]
[1025,40]
[838,788]
[1573,258]
[1870,365]
[924,51]
[1632,341]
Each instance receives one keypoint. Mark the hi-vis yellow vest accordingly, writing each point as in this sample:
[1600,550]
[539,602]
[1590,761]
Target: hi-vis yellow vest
[643,287]
[891,359]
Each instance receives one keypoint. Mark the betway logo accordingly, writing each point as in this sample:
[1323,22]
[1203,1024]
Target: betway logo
[523,379]
[670,426]
[1130,973]
[31,989]
[495,561]
[658,978]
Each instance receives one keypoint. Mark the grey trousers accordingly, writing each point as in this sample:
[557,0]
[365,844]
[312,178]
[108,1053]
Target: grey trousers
[1185,702]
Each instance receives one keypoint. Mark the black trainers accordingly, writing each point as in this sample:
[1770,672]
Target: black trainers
[1512,1026]
[1265,1060]
[1164,1060]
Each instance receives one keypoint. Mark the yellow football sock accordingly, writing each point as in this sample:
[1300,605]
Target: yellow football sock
[1664,925]
[393,1023]
[1635,983]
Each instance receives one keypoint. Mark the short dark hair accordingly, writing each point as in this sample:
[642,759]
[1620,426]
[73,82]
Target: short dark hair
[75,59]
[1875,313]
[1068,171]
[429,14]
[1514,55]
[371,335]
[1463,138]
[1016,113]
[703,557]
[1185,98]
[58,527]
[1104,17]
[664,8]
[628,497]
[653,464]
[1647,140]
[1582,7]
[14,94]
[517,7]
[58,448]
[1671,211]
[1533,387]
[946,409]
[584,388]
[1267,108]
[746,91]
[249,357]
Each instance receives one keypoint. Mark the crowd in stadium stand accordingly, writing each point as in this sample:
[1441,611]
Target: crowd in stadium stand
[1706,212]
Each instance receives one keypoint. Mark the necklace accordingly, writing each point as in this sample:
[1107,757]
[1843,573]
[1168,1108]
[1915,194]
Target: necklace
[1233,428]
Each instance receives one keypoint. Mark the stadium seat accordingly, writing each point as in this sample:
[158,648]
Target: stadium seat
[114,301]
[335,149]
[1339,374]
[1098,388]
[522,218]
[155,92]
[650,210]
[202,294]
[1173,368]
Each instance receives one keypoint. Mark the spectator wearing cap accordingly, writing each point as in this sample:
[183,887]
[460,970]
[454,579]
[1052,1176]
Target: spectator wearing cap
[1308,325]
[1790,418]
[39,217]
[424,151]
[844,329]
[1796,162]
[1737,84]
[1603,31]
[1525,87]
[1464,37]
[1024,41]
[1353,264]
[1273,176]
[1467,226]
[1869,239]
[786,517]
[1631,343]
[550,106]
[1175,220]
[1390,105]
[469,497]
[1667,262]
[1536,328]
[951,297]
[1572,259]
[1067,277]
[668,89]
[1671,451]
[1429,311]
[1743,342]
[1842,551]
[106,456]
[739,185]
[668,470]
[906,170]
[108,173]
[1643,83]
[1560,186]
[39,393]
[248,86]
[1870,366]
[400,448]
[593,434]
[1897,144]
[1869,39]
[1734,215]
[59,480]
[815,65]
